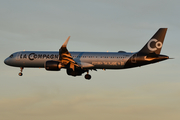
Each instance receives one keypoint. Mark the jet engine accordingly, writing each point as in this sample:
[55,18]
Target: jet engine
[53,66]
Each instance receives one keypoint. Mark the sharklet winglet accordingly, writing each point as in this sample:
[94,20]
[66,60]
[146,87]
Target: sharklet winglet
[65,43]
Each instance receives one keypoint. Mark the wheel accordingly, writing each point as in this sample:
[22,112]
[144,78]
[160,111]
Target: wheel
[87,76]
[20,74]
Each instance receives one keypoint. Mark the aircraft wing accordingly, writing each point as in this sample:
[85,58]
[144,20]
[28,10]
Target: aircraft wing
[85,65]
[65,57]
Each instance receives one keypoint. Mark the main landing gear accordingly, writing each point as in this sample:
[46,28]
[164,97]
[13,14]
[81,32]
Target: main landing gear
[20,74]
[87,76]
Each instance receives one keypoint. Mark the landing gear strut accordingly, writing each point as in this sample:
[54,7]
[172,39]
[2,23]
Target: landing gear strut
[20,74]
[87,76]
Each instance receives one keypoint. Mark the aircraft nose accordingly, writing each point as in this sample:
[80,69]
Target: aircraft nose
[6,61]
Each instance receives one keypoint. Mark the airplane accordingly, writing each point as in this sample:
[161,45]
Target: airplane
[77,63]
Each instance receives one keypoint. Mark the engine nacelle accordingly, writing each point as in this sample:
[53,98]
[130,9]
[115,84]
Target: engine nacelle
[53,65]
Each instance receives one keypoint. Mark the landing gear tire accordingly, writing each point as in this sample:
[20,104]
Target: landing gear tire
[87,76]
[20,74]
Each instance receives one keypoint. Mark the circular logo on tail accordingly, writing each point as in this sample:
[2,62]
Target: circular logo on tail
[158,45]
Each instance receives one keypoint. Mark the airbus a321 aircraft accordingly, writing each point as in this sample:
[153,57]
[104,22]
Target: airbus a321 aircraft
[77,63]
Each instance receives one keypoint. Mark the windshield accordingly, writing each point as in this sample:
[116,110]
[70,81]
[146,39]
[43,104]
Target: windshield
[11,56]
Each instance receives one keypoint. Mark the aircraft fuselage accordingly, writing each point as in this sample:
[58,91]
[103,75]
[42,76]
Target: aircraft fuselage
[100,60]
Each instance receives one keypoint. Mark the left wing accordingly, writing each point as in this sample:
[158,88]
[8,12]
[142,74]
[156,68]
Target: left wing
[65,57]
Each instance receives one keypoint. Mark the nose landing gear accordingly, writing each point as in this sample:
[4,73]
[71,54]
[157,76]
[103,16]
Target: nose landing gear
[20,74]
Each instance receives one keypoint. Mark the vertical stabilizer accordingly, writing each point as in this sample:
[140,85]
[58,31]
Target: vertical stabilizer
[155,44]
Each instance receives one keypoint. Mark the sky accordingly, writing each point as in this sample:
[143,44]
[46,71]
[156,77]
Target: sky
[148,92]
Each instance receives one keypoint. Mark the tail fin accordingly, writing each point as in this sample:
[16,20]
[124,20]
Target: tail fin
[154,45]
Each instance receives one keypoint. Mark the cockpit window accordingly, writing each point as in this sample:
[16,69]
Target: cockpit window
[11,56]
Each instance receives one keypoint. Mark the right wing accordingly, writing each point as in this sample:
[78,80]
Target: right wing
[85,65]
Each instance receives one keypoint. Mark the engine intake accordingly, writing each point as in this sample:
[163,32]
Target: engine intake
[53,66]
